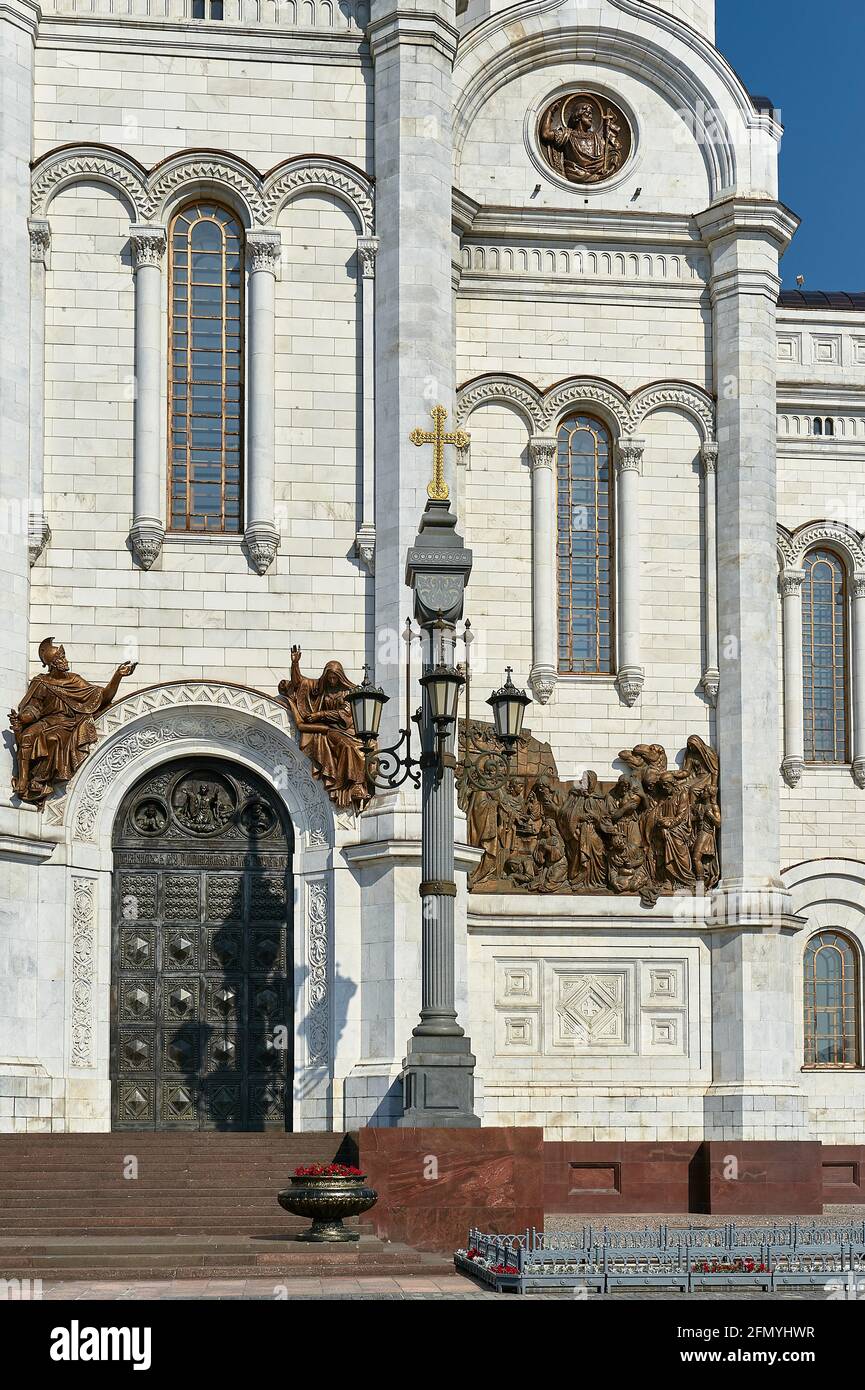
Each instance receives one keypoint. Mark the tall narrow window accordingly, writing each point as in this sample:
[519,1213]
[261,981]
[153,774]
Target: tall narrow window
[831,1002]
[206,370]
[584,547]
[824,651]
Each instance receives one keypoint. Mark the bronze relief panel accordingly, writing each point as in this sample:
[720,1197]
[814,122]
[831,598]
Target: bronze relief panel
[584,138]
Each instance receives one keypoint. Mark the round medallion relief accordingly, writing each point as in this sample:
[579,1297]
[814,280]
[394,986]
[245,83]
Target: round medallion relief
[584,138]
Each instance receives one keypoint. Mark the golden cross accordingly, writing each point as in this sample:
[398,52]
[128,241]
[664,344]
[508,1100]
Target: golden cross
[438,438]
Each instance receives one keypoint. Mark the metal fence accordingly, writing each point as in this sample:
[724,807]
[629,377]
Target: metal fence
[765,1256]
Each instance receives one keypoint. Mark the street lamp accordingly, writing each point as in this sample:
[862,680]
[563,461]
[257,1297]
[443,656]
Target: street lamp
[509,706]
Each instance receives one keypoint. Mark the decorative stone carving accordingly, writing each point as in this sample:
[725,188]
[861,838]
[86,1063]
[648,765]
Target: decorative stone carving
[367,250]
[792,769]
[40,239]
[325,173]
[857,772]
[629,456]
[264,248]
[148,244]
[83,970]
[38,536]
[652,832]
[145,542]
[542,451]
[709,456]
[53,725]
[629,683]
[584,138]
[262,544]
[710,683]
[543,681]
[325,731]
[364,546]
[318,1007]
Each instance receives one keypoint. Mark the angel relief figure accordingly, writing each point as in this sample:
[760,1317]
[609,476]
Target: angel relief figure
[584,139]
[326,733]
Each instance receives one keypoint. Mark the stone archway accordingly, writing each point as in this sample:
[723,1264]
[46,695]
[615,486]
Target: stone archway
[201,999]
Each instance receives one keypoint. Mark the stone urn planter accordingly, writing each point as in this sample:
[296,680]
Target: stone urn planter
[327,1193]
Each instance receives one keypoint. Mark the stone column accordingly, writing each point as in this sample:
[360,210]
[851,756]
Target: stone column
[629,466]
[261,535]
[793,765]
[412,43]
[710,676]
[367,246]
[858,769]
[544,673]
[40,246]
[148,527]
[755,1091]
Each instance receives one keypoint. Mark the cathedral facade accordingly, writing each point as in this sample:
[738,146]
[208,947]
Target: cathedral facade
[248,246]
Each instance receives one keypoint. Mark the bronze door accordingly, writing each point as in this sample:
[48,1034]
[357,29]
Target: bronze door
[201,1025]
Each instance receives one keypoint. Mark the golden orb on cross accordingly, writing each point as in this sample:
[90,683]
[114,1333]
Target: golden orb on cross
[438,437]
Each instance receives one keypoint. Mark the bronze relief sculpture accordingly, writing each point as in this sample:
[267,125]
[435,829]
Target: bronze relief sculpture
[53,725]
[326,732]
[653,831]
[584,138]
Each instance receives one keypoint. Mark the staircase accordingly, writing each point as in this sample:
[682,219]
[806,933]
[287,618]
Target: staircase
[203,1206]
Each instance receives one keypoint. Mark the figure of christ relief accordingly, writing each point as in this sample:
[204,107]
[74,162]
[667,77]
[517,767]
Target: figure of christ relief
[654,831]
[53,725]
[325,731]
[584,139]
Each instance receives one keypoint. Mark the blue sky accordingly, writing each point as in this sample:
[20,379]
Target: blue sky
[808,57]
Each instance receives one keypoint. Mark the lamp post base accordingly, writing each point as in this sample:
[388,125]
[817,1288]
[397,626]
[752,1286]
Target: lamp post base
[438,1084]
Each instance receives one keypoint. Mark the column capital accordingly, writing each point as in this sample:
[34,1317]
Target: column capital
[263,249]
[418,28]
[859,583]
[709,455]
[542,451]
[148,242]
[749,217]
[629,455]
[40,239]
[790,581]
[629,683]
[367,249]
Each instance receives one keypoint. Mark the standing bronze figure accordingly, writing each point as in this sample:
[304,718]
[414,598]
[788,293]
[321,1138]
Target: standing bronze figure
[53,725]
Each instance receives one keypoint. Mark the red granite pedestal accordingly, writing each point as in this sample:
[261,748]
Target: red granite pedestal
[743,1178]
[435,1184]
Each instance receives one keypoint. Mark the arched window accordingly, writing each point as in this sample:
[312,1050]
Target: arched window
[818,425]
[824,651]
[205,370]
[831,1002]
[829,425]
[207,9]
[585,548]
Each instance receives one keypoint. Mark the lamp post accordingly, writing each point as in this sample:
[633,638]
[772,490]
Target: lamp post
[438,1069]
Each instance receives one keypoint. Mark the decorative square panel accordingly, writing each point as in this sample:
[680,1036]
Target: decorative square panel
[224,1004]
[224,897]
[221,1103]
[180,898]
[179,949]
[180,999]
[178,1102]
[267,901]
[826,348]
[180,1050]
[663,982]
[135,1050]
[135,1102]
[789,347]
[664,1033]
[223,948]
[859,351]
[137,1000]
[137,897]
[222,1052]
[517,983]
[266,1102]
[138,948]
[517,1034]
[265,951]
[589,1010]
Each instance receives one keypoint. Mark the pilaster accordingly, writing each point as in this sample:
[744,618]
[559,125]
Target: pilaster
[630,675]
[261,537]
[148,525]
[544,672]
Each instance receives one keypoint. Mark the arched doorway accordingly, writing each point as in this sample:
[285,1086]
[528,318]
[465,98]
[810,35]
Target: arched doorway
[201,1000]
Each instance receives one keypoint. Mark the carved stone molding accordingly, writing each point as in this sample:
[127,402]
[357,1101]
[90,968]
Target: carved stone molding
[790,581]
[148,244]
[792,545]
[262,543]
[81,1051]
[542,451]
[857,771]
[543,680]
[238,719]
[542,409]
[318,966]
[629,456]
[364,546]
[151,195]
[709,456]
[858,585]
[263,249]
[145,542]
[367,250]
[791,770]
[38,536]
[40,239]
[710,682]
[629,683]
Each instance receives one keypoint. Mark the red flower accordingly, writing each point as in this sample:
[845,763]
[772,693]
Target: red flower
[328,1170]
